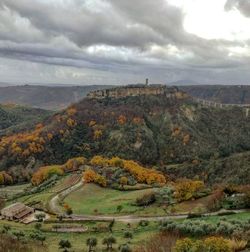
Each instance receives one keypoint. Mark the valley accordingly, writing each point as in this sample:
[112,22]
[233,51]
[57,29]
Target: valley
[131,169]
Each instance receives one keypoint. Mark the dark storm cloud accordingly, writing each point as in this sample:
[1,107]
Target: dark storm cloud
[142,37]
[242,5]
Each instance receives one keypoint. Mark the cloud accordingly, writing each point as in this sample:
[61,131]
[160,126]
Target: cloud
[242,5]
[113,40]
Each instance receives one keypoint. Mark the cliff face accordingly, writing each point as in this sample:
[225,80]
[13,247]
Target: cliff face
[137,90]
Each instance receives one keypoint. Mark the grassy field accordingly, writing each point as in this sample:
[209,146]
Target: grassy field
[78,241]
[91,197]
[8,191]
[41,197]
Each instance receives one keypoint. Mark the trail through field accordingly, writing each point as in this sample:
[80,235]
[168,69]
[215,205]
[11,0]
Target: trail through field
[54,203]
[55,208]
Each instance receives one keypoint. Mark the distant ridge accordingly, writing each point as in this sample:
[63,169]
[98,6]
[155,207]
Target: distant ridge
[45,97]
[228,94]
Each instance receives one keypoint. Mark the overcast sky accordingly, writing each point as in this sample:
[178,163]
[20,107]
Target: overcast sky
[124,41]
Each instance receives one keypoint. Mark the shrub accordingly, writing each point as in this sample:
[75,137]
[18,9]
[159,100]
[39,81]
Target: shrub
[91,176]
[146,199]
[74,164]
[237,245]
[185,189]
[165,196]
[211,244]
[216,244]
[185,245]
[160,242]
[43,173]
[99,161]
[5,178]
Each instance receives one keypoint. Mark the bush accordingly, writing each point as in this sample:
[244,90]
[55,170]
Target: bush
[46,172]
[211,244]
[146,199]
[160,242]
[186,189]
[194,215]
[202,228]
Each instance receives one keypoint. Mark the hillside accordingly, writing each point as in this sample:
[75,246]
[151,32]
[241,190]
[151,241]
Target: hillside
[154,130]
[14,118]
[220,93]
[45,97]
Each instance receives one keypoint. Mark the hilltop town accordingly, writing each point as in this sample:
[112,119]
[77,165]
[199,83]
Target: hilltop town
[137,90]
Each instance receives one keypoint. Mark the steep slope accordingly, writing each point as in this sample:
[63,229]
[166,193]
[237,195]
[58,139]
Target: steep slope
[46,97]
[220,93]
[150,129]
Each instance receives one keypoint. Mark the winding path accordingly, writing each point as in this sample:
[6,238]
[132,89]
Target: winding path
[54,207]
[54,203]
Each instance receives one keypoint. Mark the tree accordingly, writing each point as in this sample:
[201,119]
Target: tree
[38,236]
[128,235]
[59,217]
[18,234]
[40,217]
[109,241]
[38,226]
[123,181]
[125,248]
[111,224]
[91,243]
[69,211]
[119,208]
[185,189]
[65,245]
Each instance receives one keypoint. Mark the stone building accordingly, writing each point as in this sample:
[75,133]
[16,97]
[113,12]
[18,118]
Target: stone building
[134,90]
[16,211]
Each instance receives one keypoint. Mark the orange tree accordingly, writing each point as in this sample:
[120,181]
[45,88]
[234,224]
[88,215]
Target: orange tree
[185,189]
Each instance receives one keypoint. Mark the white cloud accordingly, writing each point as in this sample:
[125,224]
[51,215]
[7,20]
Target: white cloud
[109,41]
[209,20]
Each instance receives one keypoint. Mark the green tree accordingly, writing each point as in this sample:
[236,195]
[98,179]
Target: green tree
[38,236]
[65,245]
[38,226]
[128,235]
[109,241]
[40,217]
[125,248]
[91,243]
[18,234]
[119,208]
[111,225]
[6,228]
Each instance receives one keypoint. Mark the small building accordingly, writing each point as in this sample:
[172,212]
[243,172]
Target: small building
[16,211]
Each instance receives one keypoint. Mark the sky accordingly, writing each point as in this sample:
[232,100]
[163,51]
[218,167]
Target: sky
[87,42]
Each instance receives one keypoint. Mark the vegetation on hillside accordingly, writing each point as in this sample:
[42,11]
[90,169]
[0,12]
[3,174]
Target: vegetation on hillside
[14,117]
[153,130]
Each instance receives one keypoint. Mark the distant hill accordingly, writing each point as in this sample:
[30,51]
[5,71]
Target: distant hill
[151,129]
[14,117]
[183,83]
[45,97]
[220,93]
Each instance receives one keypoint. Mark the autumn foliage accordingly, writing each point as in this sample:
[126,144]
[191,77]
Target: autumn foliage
[90,176]
[5,178]
[43,173]
[186,188]
[141,174]
[215,244]
[74,164]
